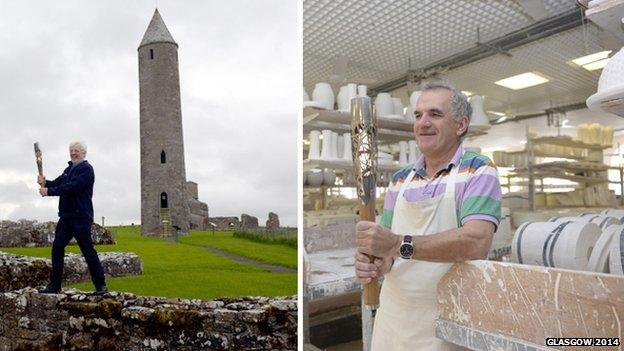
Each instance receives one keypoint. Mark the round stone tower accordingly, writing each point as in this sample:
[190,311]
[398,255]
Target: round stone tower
[163,176]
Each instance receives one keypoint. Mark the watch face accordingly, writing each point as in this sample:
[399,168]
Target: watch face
[406,251]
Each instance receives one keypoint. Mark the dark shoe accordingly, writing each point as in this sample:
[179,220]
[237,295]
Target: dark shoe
[100,291]
[49,290]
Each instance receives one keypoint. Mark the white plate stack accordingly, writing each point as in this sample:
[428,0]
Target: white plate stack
[603,221]
[616,253]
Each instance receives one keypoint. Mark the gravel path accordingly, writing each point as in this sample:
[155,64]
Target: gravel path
[245,260]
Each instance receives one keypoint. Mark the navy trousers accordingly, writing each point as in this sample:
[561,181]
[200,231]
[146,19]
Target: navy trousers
[66,229]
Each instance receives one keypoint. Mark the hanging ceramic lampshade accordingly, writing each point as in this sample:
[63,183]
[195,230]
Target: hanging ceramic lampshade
[314,153]
[326,146]
[479,120]
[324,94]
[610,94]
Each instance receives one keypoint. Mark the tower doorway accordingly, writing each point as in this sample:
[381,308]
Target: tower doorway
[163,200]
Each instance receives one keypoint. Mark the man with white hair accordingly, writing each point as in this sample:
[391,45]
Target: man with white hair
[75,189]
[440,210]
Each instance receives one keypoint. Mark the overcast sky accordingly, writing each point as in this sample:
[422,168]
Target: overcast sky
[68,71]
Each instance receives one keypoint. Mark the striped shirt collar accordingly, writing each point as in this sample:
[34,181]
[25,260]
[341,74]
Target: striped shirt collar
[419,166]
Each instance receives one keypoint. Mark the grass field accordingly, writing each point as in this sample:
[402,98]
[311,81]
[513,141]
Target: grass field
[188,270]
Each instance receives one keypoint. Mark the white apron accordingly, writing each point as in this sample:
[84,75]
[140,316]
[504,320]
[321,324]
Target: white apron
[408,303]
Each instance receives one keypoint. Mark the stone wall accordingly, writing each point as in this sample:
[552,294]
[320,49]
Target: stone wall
[272,224]
[248,222]
[224,222]
[122,321]
[26,233]
[17,271]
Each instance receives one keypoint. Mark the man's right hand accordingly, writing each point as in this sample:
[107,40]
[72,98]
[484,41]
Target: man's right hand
[41,180]
[366,271]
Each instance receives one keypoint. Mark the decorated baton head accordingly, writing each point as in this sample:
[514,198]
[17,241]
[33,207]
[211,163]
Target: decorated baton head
[364,147]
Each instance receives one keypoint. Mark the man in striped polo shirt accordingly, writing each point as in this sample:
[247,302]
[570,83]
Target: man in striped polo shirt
[445,208]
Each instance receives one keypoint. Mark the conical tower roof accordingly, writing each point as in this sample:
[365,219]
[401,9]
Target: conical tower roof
[157,32]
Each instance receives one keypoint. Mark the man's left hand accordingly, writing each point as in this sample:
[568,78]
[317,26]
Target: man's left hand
[43,191]
[376,240]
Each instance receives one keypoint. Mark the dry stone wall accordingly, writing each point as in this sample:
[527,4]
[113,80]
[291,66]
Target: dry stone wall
[26,233]
[73,320]
[17,271]
[225,222]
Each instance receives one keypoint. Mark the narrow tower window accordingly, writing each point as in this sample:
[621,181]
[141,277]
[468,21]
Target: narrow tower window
[163,200]
[151,54]
[163,157]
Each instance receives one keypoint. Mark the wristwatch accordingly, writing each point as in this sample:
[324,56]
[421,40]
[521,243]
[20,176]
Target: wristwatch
[407,248]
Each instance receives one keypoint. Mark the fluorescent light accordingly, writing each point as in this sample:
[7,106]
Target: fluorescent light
[467,93]
[502,119]
[581,61]
[596,65]
[496,113]
[522,81]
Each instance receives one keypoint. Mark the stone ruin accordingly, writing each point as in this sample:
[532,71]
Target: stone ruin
[27,233]
[18,271]
[248,222]
[225,223]
[73,320]
[272,224]
[198,217]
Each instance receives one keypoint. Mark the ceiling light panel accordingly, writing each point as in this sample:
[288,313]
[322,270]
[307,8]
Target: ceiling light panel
[592,58]
[522,81]
[379,36]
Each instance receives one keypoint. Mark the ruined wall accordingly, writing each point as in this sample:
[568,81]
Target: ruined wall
[18,271]
[27,233]
[224,222]
[249,222]
[123,321]
[272,223]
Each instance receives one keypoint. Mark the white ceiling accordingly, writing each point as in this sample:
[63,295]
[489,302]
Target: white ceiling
[379,37]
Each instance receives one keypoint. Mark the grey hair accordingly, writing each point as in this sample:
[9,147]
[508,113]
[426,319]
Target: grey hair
[82,145]
[460,106]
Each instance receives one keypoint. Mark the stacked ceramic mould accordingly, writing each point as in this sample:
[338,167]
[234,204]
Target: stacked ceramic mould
[389,107]
[332,143]
[589,242]
[323,96]
[595,134]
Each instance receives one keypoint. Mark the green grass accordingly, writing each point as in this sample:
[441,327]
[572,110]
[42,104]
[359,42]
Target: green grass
[275,254]
[188,270]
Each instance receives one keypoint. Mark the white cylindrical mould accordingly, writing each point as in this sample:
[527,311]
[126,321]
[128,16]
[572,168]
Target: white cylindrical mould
[315,149]
[479,119]
[414,153]
[562,245]
[343,99]
[398,106]
[383,104]
[582,133]
[351,93]
[409,115]
[595,133]
[599,259]
[619,214]
[414,98]
[347,154]
[315,177]
[339,146]
[334,146]
[361,90]
[602,221]
[402,153]
[324,94]
[616,253]
[326,146]
[329,177]
[607,135]
[306,97]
